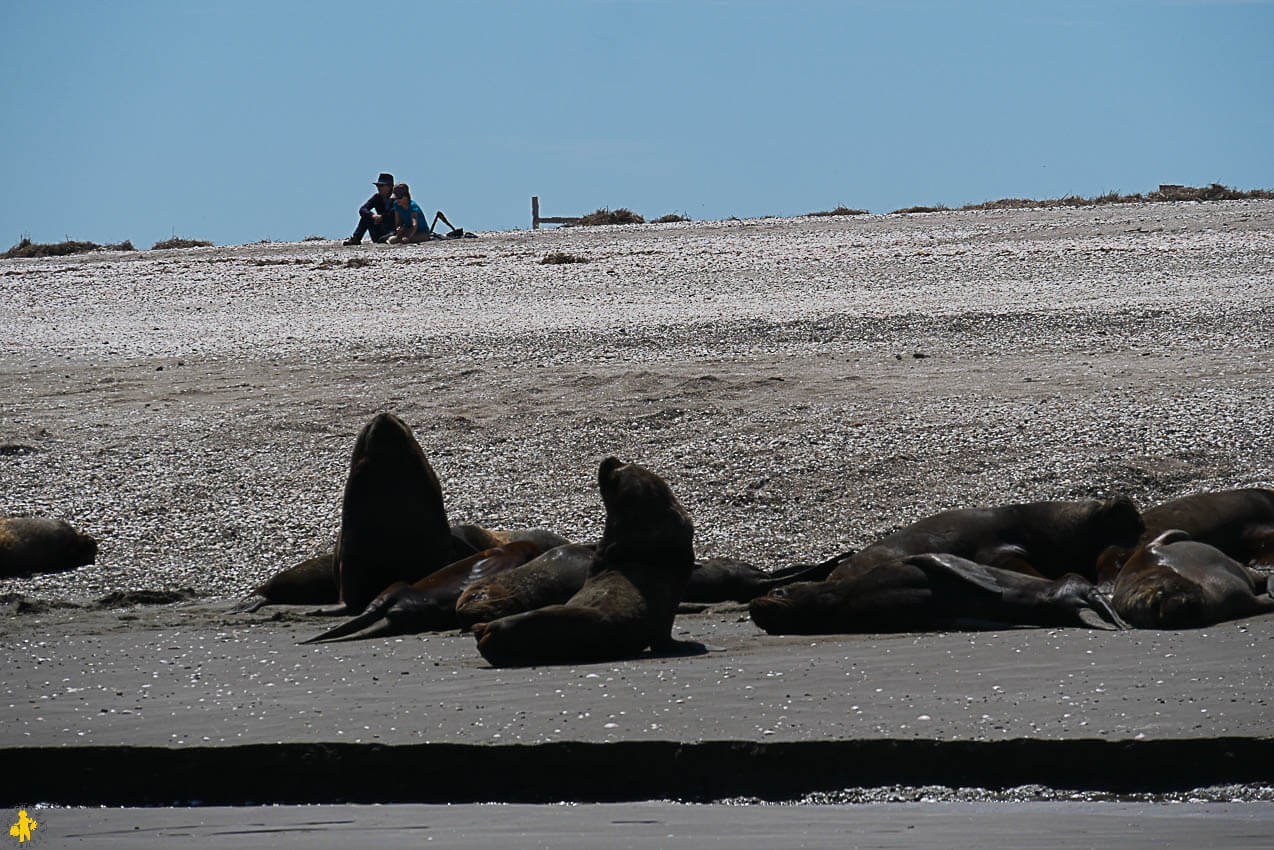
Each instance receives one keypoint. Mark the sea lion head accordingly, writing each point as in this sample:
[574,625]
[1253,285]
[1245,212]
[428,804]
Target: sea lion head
[83,549]
[642,514]
[1169,602]
[803,607]
[1117,522]
[385,437]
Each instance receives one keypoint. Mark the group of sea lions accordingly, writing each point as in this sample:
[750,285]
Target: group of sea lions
[531,597]
[1186,563]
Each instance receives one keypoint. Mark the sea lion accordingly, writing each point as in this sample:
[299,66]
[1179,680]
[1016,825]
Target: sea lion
[559,573]
[730,580]
[1174,582]
[1043,539]
[311,582]
[634,584]
[550,579]
[39,545]
[314,580]
[393,523]
[481,538]
[1238,522]
[430,604]
[931,591]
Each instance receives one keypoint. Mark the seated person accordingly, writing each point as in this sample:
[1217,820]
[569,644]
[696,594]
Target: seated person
[409,219]
[376,216]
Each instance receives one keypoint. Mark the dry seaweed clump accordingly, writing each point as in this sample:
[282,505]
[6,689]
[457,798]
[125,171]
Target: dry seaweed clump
[670,218]
[1165,193]
[178,242]
[606,216]
[558,258]
[27,248]
[938,208]
[841,210]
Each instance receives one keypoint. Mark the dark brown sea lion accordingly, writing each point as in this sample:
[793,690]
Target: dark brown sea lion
[1238,522]
[393,523]
[1044,539]
[559,573]
[550,579]
[39,545]
[1174,582]
[430,604]
[482,539]
[314,582]
[634,585]
[730,580]
[930,591]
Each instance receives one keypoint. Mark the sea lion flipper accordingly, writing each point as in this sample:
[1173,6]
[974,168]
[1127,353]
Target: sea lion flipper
[248,604]
[975,574]
[374,612]
[1172,535]
[812,572]
[1098,603]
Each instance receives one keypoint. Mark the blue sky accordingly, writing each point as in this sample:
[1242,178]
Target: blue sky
[240,121]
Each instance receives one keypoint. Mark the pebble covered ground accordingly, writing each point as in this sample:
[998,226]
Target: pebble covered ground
[805,385]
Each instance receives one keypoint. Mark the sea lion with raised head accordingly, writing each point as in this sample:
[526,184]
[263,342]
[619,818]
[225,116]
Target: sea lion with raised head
[931,591]
[429,604]
[629,600]
[1174,582]
[31,545]
[1043,539]
[393,523]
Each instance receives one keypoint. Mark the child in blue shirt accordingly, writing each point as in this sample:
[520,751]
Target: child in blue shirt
[410,218]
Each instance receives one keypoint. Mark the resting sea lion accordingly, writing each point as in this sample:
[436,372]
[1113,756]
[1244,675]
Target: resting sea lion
[559,573]
[729,580]
[430,604]
[482,539]
[1045,539]
[1238,522]
[1174,582]
[39,545]
[930,591]
[634,585]
[314,581]
[550,579]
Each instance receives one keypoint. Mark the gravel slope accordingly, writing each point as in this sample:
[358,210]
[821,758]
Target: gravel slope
[805,385]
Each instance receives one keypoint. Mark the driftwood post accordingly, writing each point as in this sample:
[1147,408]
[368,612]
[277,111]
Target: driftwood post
[537,219]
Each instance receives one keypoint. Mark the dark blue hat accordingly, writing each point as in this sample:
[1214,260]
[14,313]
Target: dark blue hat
[385,179]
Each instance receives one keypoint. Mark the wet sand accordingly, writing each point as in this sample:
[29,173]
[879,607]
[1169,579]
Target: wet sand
[947,825]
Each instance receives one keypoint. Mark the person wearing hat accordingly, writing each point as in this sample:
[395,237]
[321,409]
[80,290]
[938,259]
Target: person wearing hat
[376,216]
[409,218]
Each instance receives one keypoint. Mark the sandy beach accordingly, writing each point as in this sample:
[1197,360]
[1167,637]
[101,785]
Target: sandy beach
[804,385]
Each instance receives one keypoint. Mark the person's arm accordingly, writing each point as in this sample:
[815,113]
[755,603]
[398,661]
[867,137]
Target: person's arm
[416,221]
[369,208]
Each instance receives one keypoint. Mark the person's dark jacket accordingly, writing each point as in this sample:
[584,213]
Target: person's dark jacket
[377,204]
